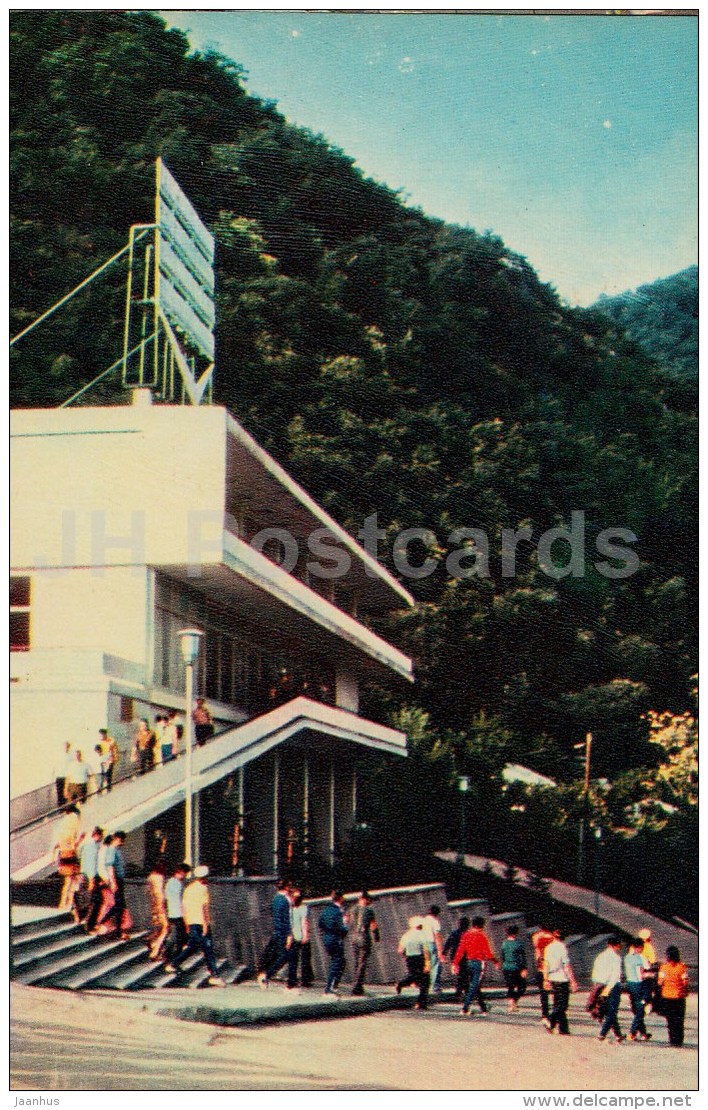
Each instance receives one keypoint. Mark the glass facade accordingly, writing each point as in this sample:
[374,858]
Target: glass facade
[230,668]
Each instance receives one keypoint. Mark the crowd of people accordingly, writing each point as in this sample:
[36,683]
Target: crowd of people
[90,769]
[290,942]
[94,871]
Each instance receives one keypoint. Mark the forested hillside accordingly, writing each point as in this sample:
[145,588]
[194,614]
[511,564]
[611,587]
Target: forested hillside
[399,366]
[663,319]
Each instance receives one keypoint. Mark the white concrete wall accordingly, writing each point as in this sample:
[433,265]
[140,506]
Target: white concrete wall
[40,722]
[110,486]
[91,609]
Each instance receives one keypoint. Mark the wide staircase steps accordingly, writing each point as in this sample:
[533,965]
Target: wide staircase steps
[56,952]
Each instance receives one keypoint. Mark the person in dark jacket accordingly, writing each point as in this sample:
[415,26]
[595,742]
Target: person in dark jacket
[276,954]
[333,927]
[364,932]
[449,950]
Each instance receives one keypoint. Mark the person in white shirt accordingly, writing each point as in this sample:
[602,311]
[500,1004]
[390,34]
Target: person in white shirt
[197,918]
[561,981]
[299,935]
[607,971]
[432,930]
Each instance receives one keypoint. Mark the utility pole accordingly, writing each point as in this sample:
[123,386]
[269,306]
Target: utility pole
[586,805]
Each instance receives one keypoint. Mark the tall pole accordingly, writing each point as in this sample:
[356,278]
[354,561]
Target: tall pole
[190,639]
[584,814]
[188,726]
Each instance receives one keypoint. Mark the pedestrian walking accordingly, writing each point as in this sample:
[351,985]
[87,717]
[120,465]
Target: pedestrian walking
[299,937]
[90,878]
[203,723]
[514,967]
[143,747]
[158,909]
[636,970]
[77,776]
[432,930]
[412,946]
[111,758]
[66,850]
[607,972]
[474,946]
[673,989]
[333,926]
[651,989]
[363,934]
[197,918]
[177,932]
[276,954]
[95,768]
[541,939]
[115,870]
[559,981]
[169,738]
[449,949]
[64,761]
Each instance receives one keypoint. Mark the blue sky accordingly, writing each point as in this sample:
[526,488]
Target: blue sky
[574,138]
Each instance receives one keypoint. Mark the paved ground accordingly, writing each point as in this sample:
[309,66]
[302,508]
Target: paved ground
[68,1041]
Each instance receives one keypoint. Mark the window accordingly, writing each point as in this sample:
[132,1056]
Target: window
[20,591]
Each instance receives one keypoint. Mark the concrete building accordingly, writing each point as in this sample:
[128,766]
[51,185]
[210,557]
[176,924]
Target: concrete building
[131,522]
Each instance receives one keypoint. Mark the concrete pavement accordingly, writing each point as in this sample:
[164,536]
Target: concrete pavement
[71,1041]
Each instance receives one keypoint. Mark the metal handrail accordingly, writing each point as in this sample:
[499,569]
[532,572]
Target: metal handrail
[133,773]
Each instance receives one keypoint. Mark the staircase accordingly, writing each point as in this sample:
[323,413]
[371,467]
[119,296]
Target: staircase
[56,952]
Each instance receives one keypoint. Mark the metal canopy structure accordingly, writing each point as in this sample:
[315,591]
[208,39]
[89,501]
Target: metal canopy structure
[168,333]
[174,314]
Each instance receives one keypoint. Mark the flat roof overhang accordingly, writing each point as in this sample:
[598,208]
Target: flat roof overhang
[263,482]
[130,804]
[282,605]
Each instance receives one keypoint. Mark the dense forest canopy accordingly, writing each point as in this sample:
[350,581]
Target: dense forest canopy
[395,365]
[663,318]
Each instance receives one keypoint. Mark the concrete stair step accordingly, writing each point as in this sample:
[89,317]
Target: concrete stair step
[29,931]
[73,940]
[101,973]
[53,971]
[235,974]
[136,975]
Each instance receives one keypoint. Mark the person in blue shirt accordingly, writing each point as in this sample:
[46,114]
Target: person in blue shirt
[333,927]
[636,970]
[514,967]
[277,953]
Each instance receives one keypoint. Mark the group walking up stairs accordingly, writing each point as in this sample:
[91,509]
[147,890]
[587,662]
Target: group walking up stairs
[56,952]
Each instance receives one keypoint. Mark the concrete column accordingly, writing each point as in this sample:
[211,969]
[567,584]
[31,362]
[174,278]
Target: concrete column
[347,691]
[241,818]
[305,813]
[276,809]
[196,797]
[332,815]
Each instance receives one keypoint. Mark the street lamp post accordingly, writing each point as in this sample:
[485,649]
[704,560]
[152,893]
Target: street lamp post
[463,785]
[598,849]
[586,800]
[190,639]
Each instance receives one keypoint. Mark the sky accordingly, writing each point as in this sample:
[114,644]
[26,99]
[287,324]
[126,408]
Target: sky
[572,137]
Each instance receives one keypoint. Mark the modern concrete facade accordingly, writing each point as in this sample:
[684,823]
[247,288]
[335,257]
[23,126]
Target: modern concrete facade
[131,522]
